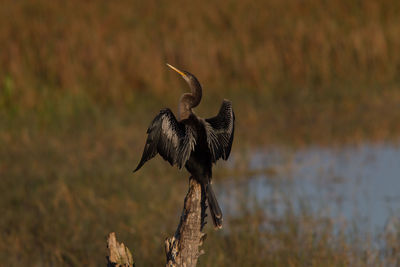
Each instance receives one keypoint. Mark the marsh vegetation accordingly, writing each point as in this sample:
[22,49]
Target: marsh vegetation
[79,82]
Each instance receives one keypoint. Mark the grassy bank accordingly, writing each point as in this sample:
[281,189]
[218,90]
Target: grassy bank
[111,51]
[310,71]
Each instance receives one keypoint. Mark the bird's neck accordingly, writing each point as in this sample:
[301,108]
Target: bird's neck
[196,93]
[185,107]
[189,100]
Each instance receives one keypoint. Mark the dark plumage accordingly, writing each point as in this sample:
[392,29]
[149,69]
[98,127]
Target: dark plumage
[191,141]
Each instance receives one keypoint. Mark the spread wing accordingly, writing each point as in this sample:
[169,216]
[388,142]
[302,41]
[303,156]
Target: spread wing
[173,140]
[220,130]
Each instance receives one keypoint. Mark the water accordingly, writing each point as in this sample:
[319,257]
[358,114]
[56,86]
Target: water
[355,184]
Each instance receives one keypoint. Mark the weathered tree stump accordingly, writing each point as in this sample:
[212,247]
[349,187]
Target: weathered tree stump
[183,249]
[119,255]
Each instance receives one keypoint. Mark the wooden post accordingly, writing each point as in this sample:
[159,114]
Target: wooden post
[183,248]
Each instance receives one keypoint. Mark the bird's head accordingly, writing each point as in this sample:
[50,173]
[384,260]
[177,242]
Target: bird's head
[189,100]
[187,76]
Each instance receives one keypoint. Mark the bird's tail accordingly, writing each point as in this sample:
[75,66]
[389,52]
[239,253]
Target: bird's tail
[215,210]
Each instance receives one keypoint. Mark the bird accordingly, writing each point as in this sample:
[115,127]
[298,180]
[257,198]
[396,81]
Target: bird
[191,141]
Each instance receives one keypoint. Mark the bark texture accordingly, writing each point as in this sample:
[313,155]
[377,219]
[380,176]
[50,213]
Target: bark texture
[118,254]
[183,249]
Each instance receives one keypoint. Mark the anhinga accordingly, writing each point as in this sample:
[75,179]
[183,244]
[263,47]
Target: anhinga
[191,141]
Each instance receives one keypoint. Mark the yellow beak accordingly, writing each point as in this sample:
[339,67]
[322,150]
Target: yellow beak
[178,71]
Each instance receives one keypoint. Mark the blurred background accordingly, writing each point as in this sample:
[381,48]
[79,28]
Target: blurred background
[313,178]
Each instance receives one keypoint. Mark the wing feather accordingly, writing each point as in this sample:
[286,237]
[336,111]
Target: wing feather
[220,131]
[173,140]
